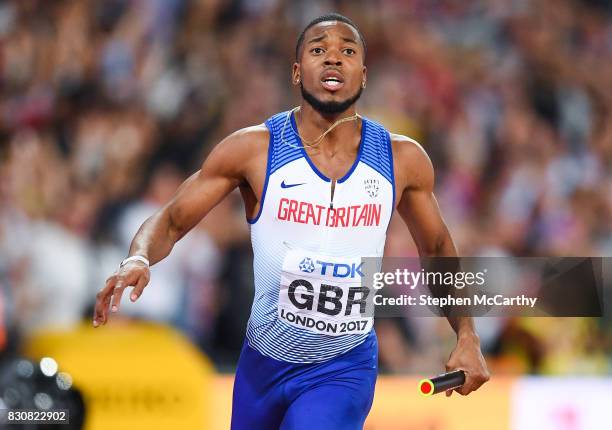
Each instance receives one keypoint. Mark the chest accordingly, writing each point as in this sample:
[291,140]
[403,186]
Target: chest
[298,194]
[333,166]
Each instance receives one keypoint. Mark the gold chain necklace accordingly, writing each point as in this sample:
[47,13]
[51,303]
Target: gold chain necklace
[315,142]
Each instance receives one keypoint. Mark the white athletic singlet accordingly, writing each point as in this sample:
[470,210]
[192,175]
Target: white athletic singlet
[308,248]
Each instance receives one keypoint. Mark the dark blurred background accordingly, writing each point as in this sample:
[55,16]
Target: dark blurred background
[106,106]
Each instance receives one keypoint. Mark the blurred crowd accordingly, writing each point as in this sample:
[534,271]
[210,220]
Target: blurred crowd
[107,106]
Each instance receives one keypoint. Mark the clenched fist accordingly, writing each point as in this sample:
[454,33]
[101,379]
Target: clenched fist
[468,357]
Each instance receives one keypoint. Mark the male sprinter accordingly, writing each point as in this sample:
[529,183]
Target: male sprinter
[319,184]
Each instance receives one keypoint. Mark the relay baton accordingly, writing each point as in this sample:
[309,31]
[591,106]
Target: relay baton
[442,382]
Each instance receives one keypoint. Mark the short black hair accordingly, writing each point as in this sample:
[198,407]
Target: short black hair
[325,18]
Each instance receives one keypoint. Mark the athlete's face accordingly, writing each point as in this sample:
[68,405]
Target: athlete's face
[331,70]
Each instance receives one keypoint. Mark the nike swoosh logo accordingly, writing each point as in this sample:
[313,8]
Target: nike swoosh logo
[283,185]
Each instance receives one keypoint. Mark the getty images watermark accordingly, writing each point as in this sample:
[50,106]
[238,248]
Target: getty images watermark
[457,280]
[486,286]
[338,295]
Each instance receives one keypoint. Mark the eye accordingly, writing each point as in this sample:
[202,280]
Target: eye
[317,50]
[349,51]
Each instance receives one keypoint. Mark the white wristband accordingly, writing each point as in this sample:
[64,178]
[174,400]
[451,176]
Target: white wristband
[135,258]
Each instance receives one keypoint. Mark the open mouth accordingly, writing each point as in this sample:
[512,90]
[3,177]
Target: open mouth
[332,81]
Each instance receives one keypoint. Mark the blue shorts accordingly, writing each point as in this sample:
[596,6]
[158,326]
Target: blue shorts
[336,394]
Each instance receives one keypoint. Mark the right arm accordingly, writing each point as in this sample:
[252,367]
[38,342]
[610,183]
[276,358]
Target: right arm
[229,165]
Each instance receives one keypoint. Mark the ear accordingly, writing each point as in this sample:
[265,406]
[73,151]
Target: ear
[295,74]
[364,78]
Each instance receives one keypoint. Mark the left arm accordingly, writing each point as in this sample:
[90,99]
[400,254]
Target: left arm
[419,209]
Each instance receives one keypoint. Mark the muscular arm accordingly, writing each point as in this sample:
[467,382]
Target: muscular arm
[222,171]
[419,209]
[230,164]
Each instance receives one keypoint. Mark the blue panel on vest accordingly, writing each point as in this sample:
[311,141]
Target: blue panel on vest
[377,150]
[286,147]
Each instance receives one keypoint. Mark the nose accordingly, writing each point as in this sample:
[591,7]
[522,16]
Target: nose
[333,58]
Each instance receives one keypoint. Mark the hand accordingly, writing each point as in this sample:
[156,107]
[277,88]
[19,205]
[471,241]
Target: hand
[134,273]
[467,357]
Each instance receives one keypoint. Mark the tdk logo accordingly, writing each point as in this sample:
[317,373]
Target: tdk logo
[337,270]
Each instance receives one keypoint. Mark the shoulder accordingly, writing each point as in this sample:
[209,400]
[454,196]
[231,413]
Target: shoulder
[405,149]
[408,150]
[239,150]
[411,161]
[245,142]
[247,138]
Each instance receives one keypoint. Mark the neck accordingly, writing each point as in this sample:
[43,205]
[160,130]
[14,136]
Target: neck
[313,123]
[311,117]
